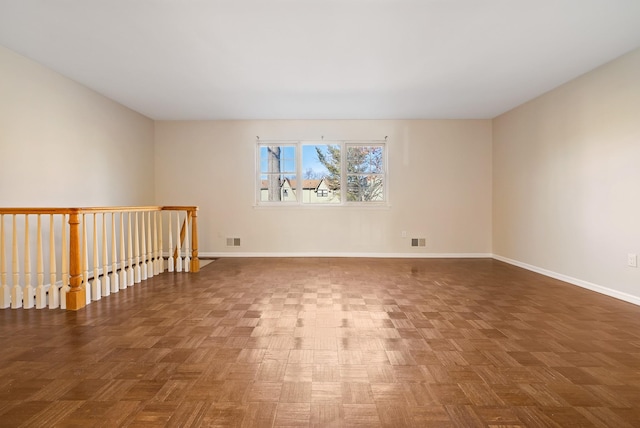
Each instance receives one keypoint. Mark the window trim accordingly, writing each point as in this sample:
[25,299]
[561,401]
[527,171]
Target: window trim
[299,202]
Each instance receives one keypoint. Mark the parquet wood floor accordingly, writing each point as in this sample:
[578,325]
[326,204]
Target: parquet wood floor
[329,343]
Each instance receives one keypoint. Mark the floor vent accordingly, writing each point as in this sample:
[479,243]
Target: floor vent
[233,242]
[418,242]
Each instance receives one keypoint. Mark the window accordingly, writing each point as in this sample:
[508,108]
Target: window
[277,172]
[322,173]
[365,173]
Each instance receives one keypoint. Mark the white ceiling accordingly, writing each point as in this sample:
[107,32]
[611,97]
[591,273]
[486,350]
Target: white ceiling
[320,59]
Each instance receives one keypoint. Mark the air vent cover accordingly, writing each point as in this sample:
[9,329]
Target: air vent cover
[233,242]
[418,242]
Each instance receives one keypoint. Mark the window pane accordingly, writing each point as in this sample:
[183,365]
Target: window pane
[278,159]
[277,187]
[365,173]
[321,169]
[365,159]
[264,159]
[288,158]
[365,188]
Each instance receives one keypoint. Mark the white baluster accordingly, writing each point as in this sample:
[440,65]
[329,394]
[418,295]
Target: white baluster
[170,260]
[178,251]
[16,290]
[27,296]
[85,261]
[143,249]
[114,256]
[160,246]
[5,291]
[41,294]
[149,248]
[54,293]
[106,281]
[137,277]
[130,270]
[123,271]
[187,257]
[156,268]
[96,285]
[64,289]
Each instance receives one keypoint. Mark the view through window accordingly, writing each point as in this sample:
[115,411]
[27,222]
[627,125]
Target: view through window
[321,173]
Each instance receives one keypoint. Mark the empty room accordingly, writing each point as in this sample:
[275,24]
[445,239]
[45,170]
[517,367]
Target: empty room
[319,213]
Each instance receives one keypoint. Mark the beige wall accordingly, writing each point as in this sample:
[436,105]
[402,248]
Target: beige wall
[62,144]
[439,187]
[566,180]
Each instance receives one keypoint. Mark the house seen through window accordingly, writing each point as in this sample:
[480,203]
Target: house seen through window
[324,173]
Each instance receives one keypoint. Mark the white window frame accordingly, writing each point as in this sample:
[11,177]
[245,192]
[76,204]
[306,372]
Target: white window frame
[299,173]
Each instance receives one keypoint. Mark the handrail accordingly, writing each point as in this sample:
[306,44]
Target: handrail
[88,210]
[76,295]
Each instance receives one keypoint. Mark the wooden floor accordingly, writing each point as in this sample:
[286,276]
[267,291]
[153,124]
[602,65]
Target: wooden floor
[328,343]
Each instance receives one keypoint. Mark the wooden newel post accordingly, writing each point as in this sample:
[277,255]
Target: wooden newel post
[195,262]
[76,296]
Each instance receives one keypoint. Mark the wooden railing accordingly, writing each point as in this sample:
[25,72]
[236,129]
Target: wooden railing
[127,245]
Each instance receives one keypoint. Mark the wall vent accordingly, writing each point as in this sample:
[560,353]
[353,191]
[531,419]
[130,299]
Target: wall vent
[418,242]
[233,242]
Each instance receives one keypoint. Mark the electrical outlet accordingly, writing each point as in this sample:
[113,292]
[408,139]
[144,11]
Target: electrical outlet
[632,260]
[404,233]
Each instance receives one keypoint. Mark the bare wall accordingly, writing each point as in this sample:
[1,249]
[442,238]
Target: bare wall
[62,144]
[439,187]
[566,180]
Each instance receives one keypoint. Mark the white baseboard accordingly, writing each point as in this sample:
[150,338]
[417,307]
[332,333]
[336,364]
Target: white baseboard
[574,281]
[354,255]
